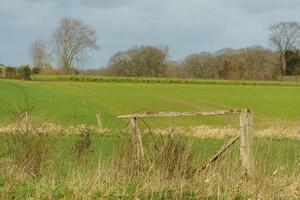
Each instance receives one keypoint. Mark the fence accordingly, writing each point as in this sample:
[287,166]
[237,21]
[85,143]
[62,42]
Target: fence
[245,135]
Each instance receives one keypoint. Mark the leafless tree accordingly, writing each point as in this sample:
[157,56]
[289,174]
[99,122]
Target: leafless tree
[74,39]
[284,36]
[149,61]
[200,65]
[39,54]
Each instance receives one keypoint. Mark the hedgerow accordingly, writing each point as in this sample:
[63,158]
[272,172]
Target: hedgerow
[103,79]
[23,72]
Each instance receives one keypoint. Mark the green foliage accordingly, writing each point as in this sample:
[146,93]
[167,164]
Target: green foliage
[292,62]
[11,72]
[2,72]
[24,72]
[36,70]
[109,79]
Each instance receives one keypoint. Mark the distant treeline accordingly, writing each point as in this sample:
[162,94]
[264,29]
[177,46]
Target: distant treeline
[23,72]
[252,63]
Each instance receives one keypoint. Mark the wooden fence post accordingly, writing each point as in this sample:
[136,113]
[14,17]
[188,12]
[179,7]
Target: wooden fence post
[245,136]
[26,122]
[246,140]
[98,117]
[137,140]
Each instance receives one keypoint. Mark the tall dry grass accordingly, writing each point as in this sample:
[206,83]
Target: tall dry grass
[169,170]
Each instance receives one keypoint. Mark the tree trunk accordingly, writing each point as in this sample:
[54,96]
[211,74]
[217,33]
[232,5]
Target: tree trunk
[283,63]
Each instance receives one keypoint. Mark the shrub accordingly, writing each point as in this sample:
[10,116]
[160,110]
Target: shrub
[35,70]
[29,151]
[10,72]
[24,72]
[26,144]
[83,143]
[2,72]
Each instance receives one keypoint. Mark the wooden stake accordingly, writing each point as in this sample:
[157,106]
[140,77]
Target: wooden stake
[137,140]
[246,138]
[221,151]
[98,117]
[26,122]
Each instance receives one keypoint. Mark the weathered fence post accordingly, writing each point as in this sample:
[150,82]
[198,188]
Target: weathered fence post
[245,136]
[246,139]
[98,117]
[137,140]
[26,122]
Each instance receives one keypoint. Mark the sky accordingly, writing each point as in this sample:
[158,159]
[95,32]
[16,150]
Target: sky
[185,26]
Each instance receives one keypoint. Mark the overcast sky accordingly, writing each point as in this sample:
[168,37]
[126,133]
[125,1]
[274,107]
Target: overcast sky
[186,26]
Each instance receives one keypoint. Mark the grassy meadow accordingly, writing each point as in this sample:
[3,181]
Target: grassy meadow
[90,165]
[73,103]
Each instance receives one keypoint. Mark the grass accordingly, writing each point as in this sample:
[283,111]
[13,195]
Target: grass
[74,103]
[286,152]
[95,177]
[101,173]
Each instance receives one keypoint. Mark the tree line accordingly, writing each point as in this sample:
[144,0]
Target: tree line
[73,40]
[22,72]
[252,63]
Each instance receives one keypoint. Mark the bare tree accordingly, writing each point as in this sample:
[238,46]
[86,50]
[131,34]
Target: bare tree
[149,61]
[73,40]
[284,36]
[40,56]
[200,65]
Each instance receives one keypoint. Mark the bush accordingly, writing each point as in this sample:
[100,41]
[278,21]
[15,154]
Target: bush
[2,72]
[26,144]
[24,72]
[35,70]
[10,72]
[83,143]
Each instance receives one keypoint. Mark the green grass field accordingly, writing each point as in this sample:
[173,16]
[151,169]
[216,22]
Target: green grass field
[97,176]
[73,103]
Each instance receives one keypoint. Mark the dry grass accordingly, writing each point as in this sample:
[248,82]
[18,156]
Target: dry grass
[83,143]
[274,132]
[51,128]
[202,131]
[223,181]
[169,170]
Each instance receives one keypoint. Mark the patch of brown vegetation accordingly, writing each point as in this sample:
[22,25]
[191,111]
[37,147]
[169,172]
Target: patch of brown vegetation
[51,128]
[278,132]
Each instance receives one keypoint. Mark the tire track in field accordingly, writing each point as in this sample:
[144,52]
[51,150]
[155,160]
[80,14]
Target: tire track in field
[194,104]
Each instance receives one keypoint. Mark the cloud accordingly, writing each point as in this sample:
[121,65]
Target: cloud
[185,26]
[265,6]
